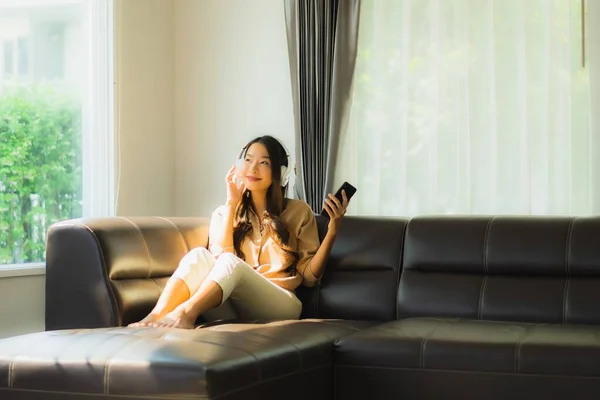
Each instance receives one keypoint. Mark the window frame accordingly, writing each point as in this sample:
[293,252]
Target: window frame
[98,122]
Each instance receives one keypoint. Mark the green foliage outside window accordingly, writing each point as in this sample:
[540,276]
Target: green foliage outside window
[40,167]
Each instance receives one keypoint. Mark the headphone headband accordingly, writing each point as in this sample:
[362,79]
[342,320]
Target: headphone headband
[285,150]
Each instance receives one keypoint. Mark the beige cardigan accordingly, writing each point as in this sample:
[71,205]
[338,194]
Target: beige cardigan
[266,257]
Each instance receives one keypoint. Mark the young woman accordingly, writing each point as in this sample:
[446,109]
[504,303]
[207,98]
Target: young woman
[262,246]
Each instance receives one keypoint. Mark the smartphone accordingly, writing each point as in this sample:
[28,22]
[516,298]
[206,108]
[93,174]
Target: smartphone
[348,188]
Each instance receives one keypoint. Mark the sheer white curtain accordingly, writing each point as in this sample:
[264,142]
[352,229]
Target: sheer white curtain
[473,107]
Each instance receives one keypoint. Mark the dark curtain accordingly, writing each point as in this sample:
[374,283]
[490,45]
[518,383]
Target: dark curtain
[322,42]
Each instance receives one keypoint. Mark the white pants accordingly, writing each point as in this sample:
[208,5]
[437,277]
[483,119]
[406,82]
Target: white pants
[245,291]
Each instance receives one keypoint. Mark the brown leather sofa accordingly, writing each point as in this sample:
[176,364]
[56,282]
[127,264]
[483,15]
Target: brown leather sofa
[431,308]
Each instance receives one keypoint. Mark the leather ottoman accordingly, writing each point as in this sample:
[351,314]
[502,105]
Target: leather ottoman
[229,361]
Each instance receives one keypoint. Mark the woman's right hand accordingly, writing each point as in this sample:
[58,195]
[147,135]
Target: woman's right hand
[234,191]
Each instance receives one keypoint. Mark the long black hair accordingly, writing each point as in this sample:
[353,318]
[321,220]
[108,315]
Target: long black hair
[276,203]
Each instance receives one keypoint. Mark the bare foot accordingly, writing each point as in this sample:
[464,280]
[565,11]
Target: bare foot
[150,318]
[175,319]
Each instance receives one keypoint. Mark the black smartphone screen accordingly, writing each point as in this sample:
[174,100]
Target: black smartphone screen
[348,188]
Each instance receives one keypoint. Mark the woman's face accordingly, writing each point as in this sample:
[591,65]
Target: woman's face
[255,170]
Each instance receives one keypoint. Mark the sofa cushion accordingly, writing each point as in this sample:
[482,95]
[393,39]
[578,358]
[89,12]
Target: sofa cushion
[364,263]
[529,269]
[436,358]
[474,345]
[227,361]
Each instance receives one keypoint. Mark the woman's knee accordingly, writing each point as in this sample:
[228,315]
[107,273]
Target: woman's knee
[194,267]
[197,255]
[200,252]
[229,259]
[230,264]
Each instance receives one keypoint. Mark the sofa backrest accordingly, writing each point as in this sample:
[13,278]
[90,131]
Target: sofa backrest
[110,271]
[361,277]
[537,269]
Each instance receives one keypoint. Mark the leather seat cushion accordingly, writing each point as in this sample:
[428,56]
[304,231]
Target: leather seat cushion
[224,361]
[475,345]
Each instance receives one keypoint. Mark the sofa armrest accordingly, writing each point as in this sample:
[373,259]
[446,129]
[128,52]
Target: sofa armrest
[106,272]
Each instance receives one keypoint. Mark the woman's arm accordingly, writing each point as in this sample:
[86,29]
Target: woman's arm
[221,224]
[315,255]
[221,230]
[336,211]
[316,266]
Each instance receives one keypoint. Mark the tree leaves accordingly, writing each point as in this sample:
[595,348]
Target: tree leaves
[40,167]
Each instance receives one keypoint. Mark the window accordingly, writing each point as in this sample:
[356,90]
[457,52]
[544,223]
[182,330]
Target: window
[8,58]
[23,57]
[472,107]
[56,113]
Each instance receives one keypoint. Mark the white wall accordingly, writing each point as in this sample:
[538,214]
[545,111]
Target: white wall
[145,72]
[232,83]
[22,305]
[198,80]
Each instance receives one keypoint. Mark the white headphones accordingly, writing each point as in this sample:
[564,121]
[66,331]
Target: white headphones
[285,175]
[285,171]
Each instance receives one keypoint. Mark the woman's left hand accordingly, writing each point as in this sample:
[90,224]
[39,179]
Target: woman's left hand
[336,210]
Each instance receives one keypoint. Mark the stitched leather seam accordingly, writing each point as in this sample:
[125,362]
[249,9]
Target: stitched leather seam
[145,245]
[10,372]
[185,243]
[243,388]
[157,285]
[568,247]
[400,268]
[271,338]
[198,340]
[109,359]
[216,328]
[331,323]
[485,244]
[158,288]
[567,269]
[465,371]
[116,317]
[424,343]
[304,326]
[565,297]
[520,343]
[11,365]
[481,292]
[98,395]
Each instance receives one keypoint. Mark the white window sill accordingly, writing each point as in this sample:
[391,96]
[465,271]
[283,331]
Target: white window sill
[14,270]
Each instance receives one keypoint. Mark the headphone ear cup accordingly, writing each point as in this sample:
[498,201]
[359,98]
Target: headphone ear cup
[285,175]
[239,164]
